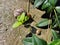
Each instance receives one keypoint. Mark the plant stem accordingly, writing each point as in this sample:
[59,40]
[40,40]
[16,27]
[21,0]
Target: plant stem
[28,8]
[50,21]
[49,29]
[56,17]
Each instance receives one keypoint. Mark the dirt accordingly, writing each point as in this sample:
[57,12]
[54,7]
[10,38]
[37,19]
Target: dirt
[10,36]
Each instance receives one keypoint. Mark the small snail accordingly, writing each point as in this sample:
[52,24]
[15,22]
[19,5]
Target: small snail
[38,32]
[18,12]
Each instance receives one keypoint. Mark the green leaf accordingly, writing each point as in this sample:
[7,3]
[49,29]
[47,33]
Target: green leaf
[52,2]
[55,36]
[27,41]
[26,18]
[55,25]
[20,20]
[46,5]
[37,3]
[49,9]
[16,24]
[55,42]
[57,9]
[43,22]
[34,40]
[21,17]
[38,41]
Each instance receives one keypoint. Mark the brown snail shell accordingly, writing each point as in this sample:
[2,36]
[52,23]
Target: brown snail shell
[38,32]
[17,12]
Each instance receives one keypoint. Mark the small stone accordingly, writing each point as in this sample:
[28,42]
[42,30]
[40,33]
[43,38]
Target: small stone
[6,29]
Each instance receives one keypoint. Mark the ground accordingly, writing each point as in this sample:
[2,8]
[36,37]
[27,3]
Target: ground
[10,36]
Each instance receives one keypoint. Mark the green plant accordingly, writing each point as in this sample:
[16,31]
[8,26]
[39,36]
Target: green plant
[34,40]
[20,20]
[49,6]
[55,42]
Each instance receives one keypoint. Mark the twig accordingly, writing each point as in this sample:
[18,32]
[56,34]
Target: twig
[28,6]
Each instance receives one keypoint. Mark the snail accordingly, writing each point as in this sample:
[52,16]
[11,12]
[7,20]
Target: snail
[38,31]
[18,12]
